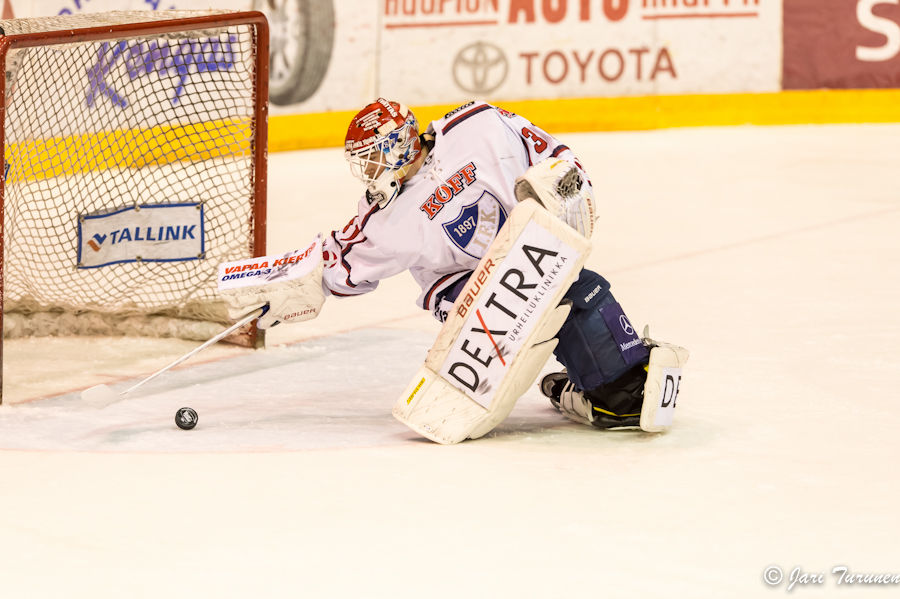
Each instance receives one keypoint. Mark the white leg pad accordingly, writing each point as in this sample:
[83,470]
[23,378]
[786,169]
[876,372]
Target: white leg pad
[437,410]
[661,388]
[524,374]
[471,380]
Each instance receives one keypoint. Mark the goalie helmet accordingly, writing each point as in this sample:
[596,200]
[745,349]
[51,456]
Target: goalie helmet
[381,144]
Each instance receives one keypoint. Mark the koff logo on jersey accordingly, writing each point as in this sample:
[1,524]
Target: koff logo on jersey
[447,191]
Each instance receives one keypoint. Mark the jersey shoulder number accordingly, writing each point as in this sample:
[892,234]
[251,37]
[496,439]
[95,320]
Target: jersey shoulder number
[540,144]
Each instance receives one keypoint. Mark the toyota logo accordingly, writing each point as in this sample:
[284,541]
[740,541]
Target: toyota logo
[480,68]
[626,326]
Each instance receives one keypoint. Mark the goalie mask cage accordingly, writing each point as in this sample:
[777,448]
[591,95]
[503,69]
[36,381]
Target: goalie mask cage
[107,115]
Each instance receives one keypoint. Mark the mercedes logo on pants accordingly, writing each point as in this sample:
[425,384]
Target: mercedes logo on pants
[480,68]
[626,326]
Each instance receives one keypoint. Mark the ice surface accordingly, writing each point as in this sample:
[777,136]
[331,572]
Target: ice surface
[101,396]
[771,253]
[308,400]
[286,398]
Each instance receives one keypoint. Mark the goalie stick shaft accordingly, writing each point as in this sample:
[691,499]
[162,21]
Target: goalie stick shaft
[247,319]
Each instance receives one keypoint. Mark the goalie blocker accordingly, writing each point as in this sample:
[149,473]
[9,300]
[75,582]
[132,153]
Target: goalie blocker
[500,332]
[288,286]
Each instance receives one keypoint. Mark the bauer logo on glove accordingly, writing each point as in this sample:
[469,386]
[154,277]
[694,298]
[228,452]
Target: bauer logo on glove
[289,284]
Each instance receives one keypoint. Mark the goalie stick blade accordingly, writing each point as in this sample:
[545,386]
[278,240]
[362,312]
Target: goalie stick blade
[100,396]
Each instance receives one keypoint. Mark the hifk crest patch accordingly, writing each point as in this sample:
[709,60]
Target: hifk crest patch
[477,225]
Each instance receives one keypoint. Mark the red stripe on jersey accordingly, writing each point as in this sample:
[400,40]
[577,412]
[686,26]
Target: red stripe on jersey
[527,151]
[346,249]
[558,150]
[333,292]
[347,264]
[365,219]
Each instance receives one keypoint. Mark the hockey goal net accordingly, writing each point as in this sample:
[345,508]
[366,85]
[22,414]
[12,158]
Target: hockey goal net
[134,163]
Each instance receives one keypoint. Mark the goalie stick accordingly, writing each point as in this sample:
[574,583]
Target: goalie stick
[101,396]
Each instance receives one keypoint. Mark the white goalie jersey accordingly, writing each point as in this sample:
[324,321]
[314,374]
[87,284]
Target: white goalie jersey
[447,215]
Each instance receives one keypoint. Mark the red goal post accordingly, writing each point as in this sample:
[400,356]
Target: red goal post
[116,127]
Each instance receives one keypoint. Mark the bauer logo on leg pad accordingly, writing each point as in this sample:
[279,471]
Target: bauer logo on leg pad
[668,395]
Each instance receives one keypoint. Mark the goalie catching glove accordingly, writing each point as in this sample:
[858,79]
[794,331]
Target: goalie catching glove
[558,186]
[289,284]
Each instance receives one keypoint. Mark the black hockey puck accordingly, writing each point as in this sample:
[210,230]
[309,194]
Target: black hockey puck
[186,418]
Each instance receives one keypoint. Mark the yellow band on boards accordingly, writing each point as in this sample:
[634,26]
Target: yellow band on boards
[233,139]
[40,159]
[320,130]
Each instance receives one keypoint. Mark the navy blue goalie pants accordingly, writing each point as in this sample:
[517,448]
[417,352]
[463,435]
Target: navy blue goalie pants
[597,343]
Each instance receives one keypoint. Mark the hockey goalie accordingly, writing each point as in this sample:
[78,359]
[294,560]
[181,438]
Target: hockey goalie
[492,216]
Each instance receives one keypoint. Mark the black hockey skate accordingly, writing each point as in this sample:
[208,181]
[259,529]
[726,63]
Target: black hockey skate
[616,405]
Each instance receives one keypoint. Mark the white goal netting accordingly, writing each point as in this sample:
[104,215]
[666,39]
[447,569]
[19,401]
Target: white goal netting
[138,121]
